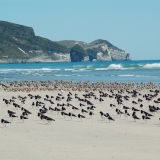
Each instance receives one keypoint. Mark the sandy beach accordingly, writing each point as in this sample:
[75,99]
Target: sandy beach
[89,138]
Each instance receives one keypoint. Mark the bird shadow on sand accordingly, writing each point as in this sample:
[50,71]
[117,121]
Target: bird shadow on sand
[77,121]
[20,122]
[67,120]
[41,123]
[60,118]
[131,121]
[104,122]
[158,124]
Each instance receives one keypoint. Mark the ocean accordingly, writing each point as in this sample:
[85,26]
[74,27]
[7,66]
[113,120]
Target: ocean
[114,71]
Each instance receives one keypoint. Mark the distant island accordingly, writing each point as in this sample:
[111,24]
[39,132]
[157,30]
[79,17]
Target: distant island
[19,44]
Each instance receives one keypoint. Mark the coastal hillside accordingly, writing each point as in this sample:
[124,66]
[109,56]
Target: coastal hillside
[19,44]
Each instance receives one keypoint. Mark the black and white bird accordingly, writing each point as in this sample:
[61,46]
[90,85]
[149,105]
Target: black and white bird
[91,114]
[134,102]
[64,114]
[49,120]
[51,109]
[134,116]
[125,107]
[141,105]
[75,108]
[5,122]
[58,110]
[25,110]
[112,105]
[103,116]
[42,111]
[71,115]
[109,117]
[135,109]
[13,116]
[81,116]
[33,104]
[24,114]
[145,118]
[23,117]
[146,113]
[119,112]
[126,114]
[11,112]
[84,111]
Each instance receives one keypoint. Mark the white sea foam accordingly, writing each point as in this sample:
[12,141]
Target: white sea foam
[112,67]
[145,76]
[153,65]
[115,66]
[101,69]
[128,75]
[68,69]
[89,66]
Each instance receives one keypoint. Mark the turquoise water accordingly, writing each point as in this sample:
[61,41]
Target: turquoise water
[119,71]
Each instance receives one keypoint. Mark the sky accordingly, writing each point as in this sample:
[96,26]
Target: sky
[131,25]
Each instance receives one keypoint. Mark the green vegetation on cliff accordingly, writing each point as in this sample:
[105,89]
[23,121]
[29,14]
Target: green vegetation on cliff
[16,41]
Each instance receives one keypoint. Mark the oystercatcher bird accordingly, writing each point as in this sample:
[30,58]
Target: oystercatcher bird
[49,120]
[103,116]
[64,114]
[109,117]
[63,108]
[71,115]
[112,105]
[75,108]
[24,113]
[57,109]
[134,109]
[146,113]
[10,112]
[134,102]
[91,113]
[152,109]
[42,111]
[51,109]
[33,104]
[125,107]
[145,118]
[81,116]
[134,116]
[16,105]
[5,122]
[84,111]
[13,116]
[25,110]
[141,105]
[23,117]
[81,105]
[126,114]
[119,112]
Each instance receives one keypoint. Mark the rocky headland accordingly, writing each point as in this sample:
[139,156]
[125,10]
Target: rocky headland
[19,44]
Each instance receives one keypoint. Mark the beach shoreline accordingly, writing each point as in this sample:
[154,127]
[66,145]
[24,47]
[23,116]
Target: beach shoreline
[79,138]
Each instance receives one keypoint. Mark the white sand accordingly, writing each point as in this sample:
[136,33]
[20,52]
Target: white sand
[69,139]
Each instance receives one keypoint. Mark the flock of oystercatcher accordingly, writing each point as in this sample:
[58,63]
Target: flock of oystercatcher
[64,105]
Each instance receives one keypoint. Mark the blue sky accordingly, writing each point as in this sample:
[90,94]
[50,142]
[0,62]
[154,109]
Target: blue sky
[131,25]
